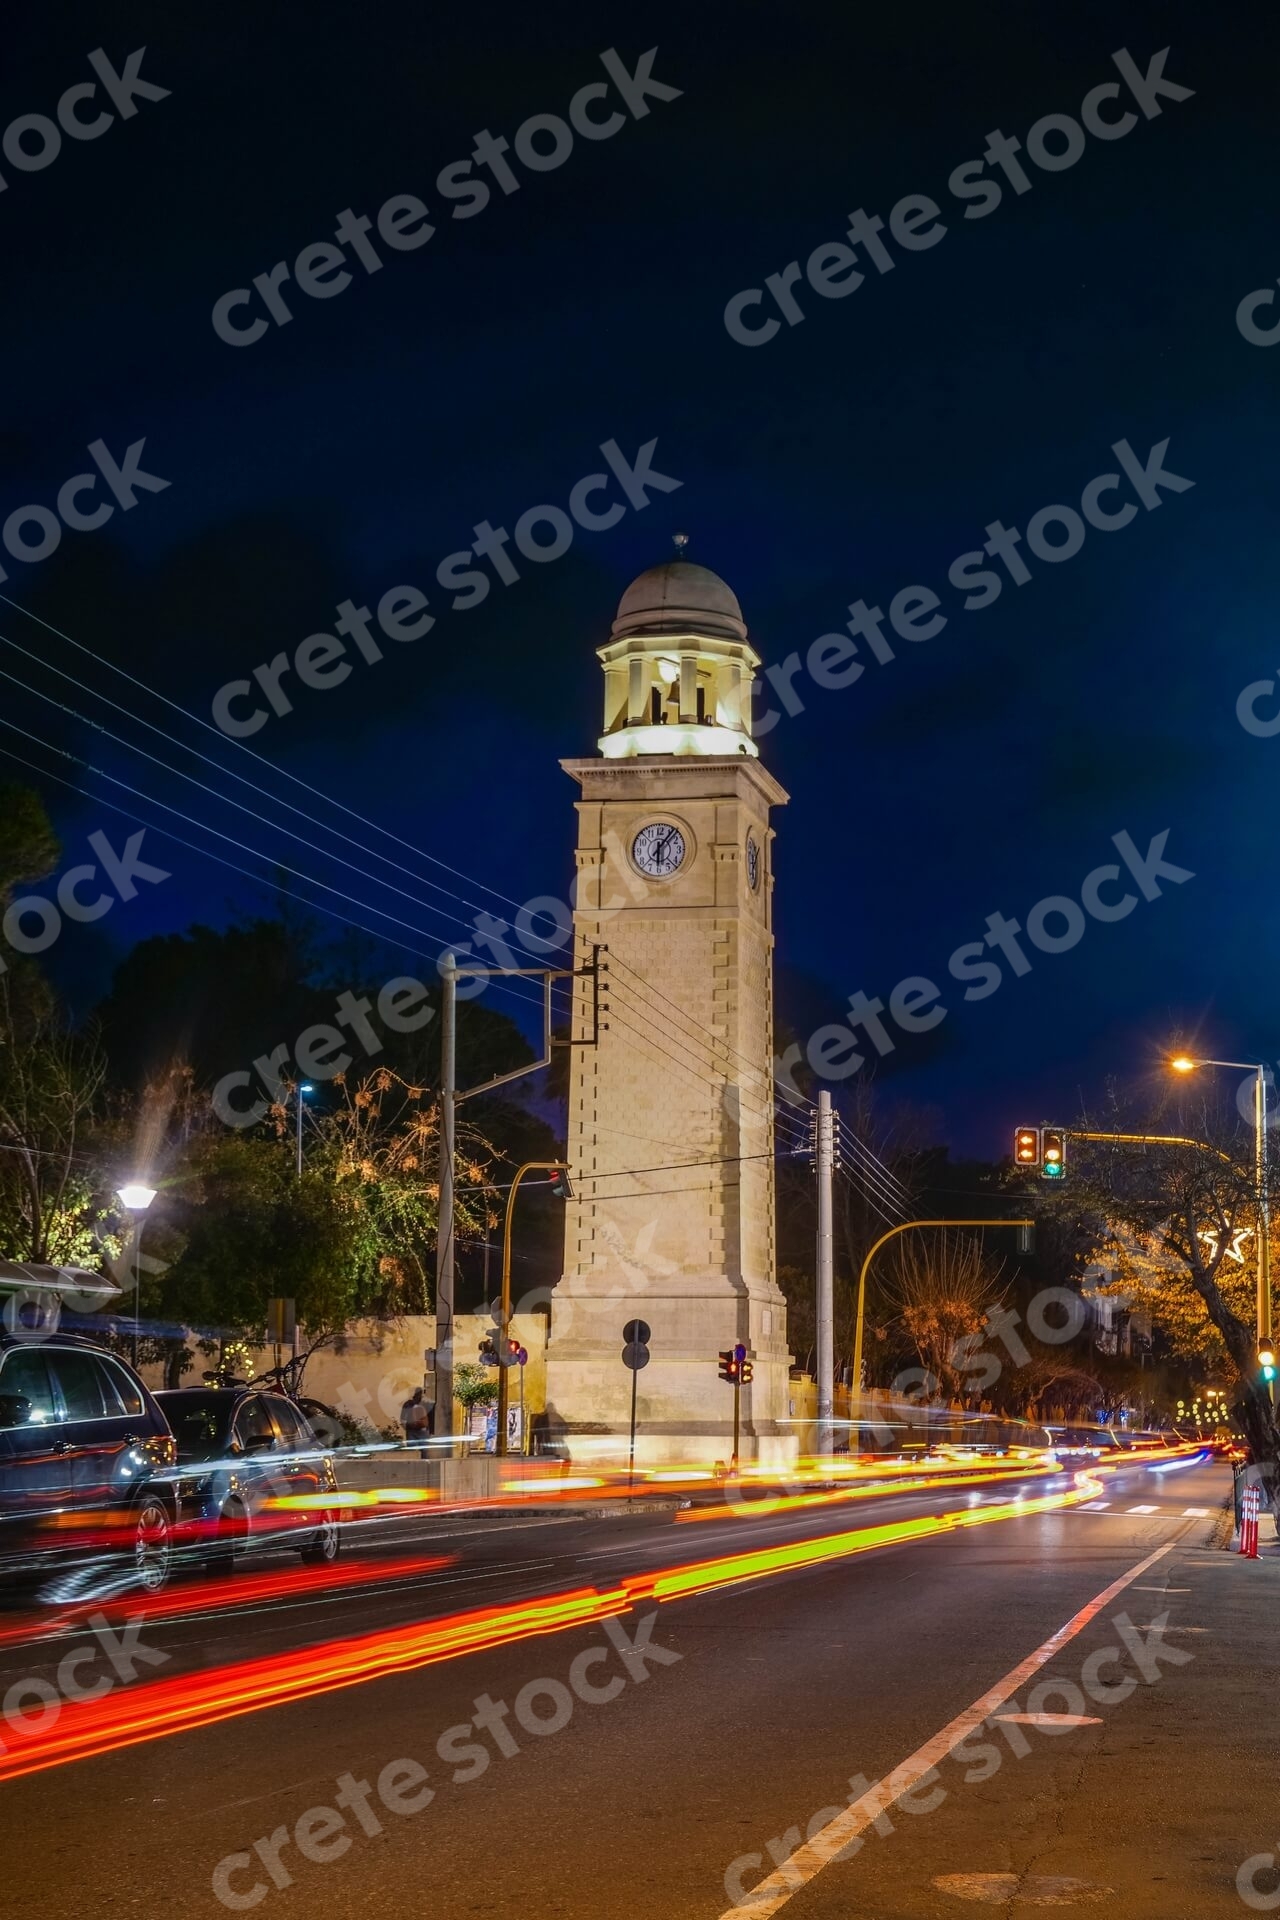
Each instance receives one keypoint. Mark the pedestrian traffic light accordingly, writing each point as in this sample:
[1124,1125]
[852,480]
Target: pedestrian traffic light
[1267,1360]
[561,1185]
[1053,1153]
[730,1365]
[1026,1147]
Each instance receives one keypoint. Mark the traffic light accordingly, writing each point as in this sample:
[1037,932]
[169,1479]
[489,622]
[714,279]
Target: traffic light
[730,1365]
[1053,1153]
[744,1372]
[561,1185]
[489,1351]
[1026,1147]
[1267,1360]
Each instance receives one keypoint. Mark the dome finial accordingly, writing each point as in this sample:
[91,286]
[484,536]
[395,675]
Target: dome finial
[680,541]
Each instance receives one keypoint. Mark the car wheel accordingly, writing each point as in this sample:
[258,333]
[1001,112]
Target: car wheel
[324,1547]
[152,1543]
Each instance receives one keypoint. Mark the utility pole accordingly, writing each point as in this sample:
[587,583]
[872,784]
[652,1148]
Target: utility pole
[451,1097]
[444,1228]
[1264,1210]
[826,1308]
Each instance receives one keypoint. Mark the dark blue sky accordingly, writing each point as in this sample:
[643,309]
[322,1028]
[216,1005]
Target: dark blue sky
[851,456]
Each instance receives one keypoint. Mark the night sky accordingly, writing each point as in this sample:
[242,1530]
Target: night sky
[853,455]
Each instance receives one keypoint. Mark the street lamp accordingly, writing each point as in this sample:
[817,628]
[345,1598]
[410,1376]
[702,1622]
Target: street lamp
[135,1199]
[304,1087]
[1182,1063]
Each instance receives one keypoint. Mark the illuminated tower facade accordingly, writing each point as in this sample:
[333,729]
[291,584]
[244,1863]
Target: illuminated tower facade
[671,1110]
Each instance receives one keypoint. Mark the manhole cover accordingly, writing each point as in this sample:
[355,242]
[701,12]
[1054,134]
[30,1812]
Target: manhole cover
[1032,1889]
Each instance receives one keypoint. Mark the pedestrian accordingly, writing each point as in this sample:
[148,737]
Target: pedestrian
[415,1418]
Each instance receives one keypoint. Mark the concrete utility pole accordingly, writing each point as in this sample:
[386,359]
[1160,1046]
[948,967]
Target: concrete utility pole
[826,1309]
[444,1229]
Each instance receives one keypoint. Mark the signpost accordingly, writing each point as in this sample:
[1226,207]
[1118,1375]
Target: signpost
[635,1354]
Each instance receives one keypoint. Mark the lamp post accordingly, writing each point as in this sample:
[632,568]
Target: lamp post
[1182,1063]
[135,1199]
[303,1088]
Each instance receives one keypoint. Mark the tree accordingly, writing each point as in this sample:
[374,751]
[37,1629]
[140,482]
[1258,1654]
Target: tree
[50,1083]
[1167,1221]
[944,1287]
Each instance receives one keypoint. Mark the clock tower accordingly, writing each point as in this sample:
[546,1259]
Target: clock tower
[670,1139]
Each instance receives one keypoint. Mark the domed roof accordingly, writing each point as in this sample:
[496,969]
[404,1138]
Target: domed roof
[679,597]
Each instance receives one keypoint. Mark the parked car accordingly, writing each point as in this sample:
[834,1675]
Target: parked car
[251,1473]
[85,1452]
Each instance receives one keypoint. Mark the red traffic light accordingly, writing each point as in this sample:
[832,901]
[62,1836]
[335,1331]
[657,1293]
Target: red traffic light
[1026,1147]
[730,1365]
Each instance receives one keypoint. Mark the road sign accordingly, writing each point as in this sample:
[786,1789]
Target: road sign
[635,1354]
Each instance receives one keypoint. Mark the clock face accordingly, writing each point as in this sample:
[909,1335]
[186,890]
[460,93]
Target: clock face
[753,861]
[659,850]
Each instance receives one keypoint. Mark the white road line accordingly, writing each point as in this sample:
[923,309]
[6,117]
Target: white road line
[1142,1509]
[806,1862]
[1196,1513]
[1094,1506]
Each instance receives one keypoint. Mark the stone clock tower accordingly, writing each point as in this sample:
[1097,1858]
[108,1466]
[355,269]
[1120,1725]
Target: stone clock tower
[671,1110]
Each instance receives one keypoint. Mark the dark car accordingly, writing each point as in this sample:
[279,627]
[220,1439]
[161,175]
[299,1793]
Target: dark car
[251,1473]
[85,1454]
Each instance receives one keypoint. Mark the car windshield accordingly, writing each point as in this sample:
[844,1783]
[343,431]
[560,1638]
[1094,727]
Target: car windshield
[199,1422]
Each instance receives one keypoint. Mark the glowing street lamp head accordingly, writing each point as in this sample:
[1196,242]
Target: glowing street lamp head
[1181,1064]
[136,1197]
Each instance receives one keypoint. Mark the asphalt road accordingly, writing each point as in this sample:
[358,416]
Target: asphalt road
[787,1688]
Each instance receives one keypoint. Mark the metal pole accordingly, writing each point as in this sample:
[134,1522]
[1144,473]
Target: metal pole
[504,1314]
[444,1227]
[826,1338]
[298,1097]
[737,1403]
[524,1425]
[1264,1211]
[631,1458]
[137,1282]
